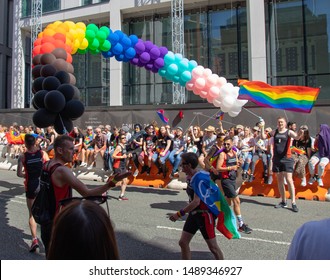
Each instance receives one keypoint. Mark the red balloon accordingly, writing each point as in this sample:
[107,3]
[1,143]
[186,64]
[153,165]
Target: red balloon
[69,58]
[47,48]
[47,39]
[60,36]
[36,50]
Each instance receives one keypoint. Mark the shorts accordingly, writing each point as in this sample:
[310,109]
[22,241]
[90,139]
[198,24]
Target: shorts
[215,177]
[283,165]
[119,170]
[229,187]
[205,222]
[31,189]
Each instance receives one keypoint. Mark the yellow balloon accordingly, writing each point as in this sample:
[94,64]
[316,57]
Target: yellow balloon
[57,23]
[64,26]
[74,50]
[84,44]
[49,32]
[68,42]
[81,25]
[69,36]
[76,44]
[74,33]
[41,34]
[51,26]
[71,24]
[80,33]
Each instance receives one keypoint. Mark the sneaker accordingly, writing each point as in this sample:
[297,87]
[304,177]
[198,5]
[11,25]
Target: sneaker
[244,228]
[83,164]
[294,207]
[285,182]
[303,182]
[148,170]
[90,167]
[281,205]
[136,172]
[34,245]
[270,180]
[320,182]
[144,169]
[311,180]
[245,176]
[122,197]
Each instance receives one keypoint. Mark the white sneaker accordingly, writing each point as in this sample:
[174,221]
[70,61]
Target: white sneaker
[303,182]
[136,172]
[83,164]
[320,182]
[311,180]
[90,167]
[285,182]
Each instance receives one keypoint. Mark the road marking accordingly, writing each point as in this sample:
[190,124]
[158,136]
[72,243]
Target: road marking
[6,197]
[242,237]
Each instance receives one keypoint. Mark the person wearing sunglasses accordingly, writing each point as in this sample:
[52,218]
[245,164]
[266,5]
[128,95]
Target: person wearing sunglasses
[95,239]
[228,164]
[63,180]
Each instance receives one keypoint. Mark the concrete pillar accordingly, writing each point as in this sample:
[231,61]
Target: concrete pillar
[257,40]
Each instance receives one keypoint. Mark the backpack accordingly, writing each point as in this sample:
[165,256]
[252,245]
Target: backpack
[44,205]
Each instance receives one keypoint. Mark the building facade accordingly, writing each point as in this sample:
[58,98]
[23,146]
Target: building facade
[283,42]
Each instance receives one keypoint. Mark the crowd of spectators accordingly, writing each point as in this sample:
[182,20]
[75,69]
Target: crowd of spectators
[158,144]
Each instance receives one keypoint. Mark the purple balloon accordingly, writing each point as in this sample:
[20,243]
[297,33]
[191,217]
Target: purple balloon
[154,69]
[139,47]
[149,66]
[149,45]
[140,64]
[144,57]
[134,61]
[163,51]
[159,63]
[154,53]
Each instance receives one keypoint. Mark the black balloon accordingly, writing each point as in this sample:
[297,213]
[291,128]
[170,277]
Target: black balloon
[63,77]
[54,101]
[47,58]
[73,109]
[67,90]
[36,71]
[76,93]
[43,118]
[36,59]
[63,125]
[37,84]
[39,98]
[47,70]
[50,83]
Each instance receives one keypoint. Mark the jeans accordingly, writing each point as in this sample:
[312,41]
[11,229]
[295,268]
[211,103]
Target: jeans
[175,160]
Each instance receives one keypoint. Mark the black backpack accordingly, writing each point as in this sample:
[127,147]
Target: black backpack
[44,206]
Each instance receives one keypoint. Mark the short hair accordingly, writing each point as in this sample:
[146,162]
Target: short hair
[190,158]
[83,230]
[228,138]
[59,141]
[29,140]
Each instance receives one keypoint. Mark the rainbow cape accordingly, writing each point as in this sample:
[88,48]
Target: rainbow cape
[14,139]
[210,194]
[292,98]
[297,150]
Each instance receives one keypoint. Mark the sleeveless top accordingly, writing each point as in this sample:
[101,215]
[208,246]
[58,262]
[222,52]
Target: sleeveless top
[120,162]
[229,161]
[32,165]
[282,143]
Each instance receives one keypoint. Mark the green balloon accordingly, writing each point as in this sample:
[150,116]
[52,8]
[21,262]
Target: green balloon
[106,30]
[94,51]
[92,27]
[94,45]
[82,51]
[90,35]
[105,46]
[101,36]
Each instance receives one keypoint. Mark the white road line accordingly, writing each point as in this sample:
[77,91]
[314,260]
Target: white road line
[245,238]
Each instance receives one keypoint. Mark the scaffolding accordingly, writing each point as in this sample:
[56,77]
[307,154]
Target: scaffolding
[179,94]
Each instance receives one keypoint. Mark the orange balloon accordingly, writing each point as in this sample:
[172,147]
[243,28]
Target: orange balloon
[49,32]
[60,36]
[41,34]
[69,58]
[36,50]
[37,42]
[68,49]
[60,29]
[47,39]
[47,48]
[59,44]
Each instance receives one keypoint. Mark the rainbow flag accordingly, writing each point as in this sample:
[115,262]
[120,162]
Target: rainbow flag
[220,116]
[292,98]
[210,194]
[297,150]
[13,138]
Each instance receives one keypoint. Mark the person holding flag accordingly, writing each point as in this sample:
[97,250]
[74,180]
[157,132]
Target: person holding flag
[206,204]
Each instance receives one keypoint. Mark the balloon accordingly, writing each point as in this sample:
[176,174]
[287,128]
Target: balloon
[43,118]
[63,77]
[117,49]
[36,59]
[67,90]
[50,83]
[113,38]
[235,91]
[233,113]
[36,71]
[163,51]
[159,63]
[47,48]
[169,58]
[72,79]
[190,86]
[47,70]
[216,102]
[172,69]
[134,39]
[101,35]
[126,42]
[197,72]
[212,80]
[186,76]
[62,125]
[39,98]
[149,45]
[200,83]
[60,65]
[221,81]
[139,47]
[76,93]
[73,109]
[37,84]
[54,101]
[214,91]
[196,91]
[130,53]
[144,57]
[47,58]
[228,102]
[92,27]
[192,64]
[60,53]
[154,53]
[207,72]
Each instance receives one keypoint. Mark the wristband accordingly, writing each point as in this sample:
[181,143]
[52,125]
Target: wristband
[182,212]
[114,181]
[179,214]
[228,168]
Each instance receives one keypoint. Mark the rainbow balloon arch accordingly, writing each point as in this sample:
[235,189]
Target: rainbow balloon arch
[56,97]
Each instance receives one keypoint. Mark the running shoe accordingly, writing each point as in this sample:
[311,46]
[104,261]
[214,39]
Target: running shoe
[90,167]
[294,207]
[136,172]
[320,182]
[281,205]
[34,245]
[270,180]
[83,164]
[122,197]
[311,180]
[244,228]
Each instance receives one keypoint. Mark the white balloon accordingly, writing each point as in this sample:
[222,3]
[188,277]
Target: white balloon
[216,103]
[228,102]
[235,91]
[207,72]
[221,81]
[225,90]
[233,114]
[197,72]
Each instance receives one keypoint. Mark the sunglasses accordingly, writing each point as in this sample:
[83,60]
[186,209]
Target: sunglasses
[226,144]
[98,199]
[123,138]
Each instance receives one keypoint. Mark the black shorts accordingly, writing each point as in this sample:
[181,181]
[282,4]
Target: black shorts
[215,177]
[283,165]
[229,187]
[119,170]
[205,222]
[30,189]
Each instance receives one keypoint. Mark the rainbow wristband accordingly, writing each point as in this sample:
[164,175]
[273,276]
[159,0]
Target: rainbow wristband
[182,212]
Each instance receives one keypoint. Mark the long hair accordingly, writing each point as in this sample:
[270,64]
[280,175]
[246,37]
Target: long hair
[83,231]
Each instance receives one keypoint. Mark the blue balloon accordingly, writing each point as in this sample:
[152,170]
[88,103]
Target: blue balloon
[130,53]
[134,39]
[113,38]
[172,69]
[169,58]
[126,42]
[119,57]
[117,49]
[192,64]
[120,34]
